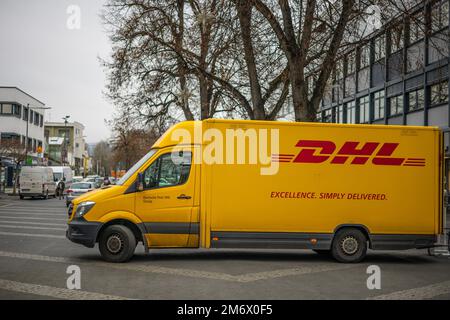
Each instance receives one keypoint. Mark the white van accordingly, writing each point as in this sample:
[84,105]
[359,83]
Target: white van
[63,172]
[36,182]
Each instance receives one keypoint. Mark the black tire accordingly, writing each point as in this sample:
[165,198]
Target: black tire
[117,244]
[349,245]
[21,197]
[322,252]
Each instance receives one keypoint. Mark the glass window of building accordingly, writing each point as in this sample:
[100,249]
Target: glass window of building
[350,85]
[319,116]
[351,63]
[364,110]
[6,108]
[378,105]
[439,93]
[351,112]
[31,116]
[416,100]
[328,116]
[397,34]
[380,47]
[339,114]
[364,56]
[416,27]
[396,105]
[25,114]
[439,15]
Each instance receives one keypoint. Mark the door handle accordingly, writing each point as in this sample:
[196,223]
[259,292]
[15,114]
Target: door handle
[184,197]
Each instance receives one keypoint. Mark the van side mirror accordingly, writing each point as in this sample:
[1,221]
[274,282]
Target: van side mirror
[140,182]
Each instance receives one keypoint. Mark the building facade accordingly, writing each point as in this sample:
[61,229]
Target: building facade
[66,145]
[399,75]
[22,126]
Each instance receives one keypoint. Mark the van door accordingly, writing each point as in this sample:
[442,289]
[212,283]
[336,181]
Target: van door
[167,202]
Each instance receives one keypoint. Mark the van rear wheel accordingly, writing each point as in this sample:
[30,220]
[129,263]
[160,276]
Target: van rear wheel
[349,245]
[117,243]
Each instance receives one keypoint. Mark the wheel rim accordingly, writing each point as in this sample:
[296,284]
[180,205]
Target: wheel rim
[114,244]
[349,245]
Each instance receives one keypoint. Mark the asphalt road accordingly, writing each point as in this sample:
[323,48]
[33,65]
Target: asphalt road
[35,255]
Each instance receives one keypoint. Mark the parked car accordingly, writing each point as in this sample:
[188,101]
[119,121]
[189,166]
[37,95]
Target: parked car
[77,189]
[36,182]
[77,179]
[97,181]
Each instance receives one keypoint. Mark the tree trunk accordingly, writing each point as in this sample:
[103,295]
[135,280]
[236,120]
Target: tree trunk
[244,9]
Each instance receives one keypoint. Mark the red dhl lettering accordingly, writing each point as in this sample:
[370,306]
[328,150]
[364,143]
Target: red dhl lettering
[351,152]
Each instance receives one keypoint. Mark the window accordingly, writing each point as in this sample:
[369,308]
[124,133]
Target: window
[397,38]
[31,116]
[328,116]
[416,99]
[351,63]
[378,105]
[364,115]
[416,28]
[380,47]
[339,114]
[17,109]
[36,118]
[396,105]
[41,120]
[169,169]
[364,54]
[7,108]
[439,15]
[351,112]
[25,113]
[319,116]
[439,93]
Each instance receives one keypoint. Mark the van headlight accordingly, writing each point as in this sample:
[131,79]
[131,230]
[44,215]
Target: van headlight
[83,208]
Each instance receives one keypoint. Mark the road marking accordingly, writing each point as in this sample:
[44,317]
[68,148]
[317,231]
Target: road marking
[34,218]
[32,227]
[34,223]
[250,277]
[33,209]
[421,293]
[32,235]
[35,214]
[54,292]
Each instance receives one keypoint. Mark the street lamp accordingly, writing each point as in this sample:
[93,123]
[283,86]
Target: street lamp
[66,118]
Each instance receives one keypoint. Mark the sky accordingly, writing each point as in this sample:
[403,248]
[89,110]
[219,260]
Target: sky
[51,52]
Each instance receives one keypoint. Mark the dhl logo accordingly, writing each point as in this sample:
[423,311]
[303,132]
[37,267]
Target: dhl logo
[318,151]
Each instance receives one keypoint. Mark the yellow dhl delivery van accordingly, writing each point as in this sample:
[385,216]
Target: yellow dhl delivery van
[332,188]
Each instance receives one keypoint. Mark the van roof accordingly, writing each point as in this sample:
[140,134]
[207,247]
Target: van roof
[190,127]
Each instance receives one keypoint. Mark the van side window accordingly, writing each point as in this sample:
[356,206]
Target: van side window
[168,170]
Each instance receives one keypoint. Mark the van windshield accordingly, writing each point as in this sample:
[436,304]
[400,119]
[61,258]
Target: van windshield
[135,167]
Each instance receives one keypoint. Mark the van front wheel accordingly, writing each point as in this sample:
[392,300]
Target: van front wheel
[349,245]
[117,243]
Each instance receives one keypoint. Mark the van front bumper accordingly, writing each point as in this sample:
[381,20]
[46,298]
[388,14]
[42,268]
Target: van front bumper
[83,232]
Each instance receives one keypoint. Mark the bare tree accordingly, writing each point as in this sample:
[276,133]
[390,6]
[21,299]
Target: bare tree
[15,150]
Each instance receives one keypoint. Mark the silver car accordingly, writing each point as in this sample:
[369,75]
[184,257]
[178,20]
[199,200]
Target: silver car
[77,189]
